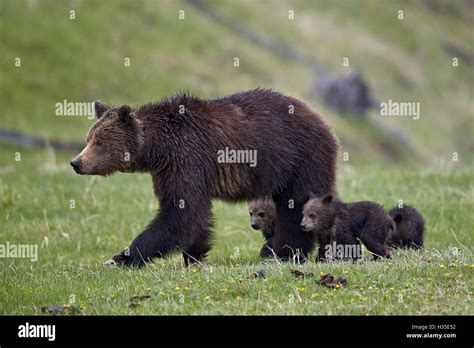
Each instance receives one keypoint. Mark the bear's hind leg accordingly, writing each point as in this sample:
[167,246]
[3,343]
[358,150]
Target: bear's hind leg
[290,242]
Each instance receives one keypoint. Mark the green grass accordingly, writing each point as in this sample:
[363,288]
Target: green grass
[108,213]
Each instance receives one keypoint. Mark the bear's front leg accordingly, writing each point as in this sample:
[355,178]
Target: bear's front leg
[162,236]
[156,240]
[180,225]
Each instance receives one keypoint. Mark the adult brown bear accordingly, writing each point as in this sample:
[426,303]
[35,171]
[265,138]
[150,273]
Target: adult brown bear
[249,145]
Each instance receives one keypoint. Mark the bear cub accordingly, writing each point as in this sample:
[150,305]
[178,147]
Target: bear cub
[344,224]
[410,227]
[262,217]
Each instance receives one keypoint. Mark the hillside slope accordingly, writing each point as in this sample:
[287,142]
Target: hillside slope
[83,60]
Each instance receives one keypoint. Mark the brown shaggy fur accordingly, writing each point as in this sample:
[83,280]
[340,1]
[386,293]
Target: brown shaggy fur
[345,223]
[262,217]
[178,140]
[410,227]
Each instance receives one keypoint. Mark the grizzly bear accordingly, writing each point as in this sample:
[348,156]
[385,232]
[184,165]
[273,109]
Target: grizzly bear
[343,224]
[245,146]
[262,217]
[410,227]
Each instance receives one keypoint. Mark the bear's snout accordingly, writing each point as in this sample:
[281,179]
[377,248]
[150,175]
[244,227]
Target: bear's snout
[304,226]
[76,165]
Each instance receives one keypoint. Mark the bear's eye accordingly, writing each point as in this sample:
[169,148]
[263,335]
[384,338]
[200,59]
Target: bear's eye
[312,216]
[98,143]
[261,214]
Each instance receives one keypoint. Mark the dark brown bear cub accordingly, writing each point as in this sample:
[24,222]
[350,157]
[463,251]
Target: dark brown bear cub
[240,147]
[340,225]
[410,227]
[262,217]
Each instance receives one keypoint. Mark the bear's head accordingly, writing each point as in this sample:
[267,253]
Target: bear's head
[262,214]
[113,143]
[318,213]
[398,224]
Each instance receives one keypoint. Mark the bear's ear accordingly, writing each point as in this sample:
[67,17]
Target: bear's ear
[312,195]
[100,108]
[398,218]
[327,199]
[125,114]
